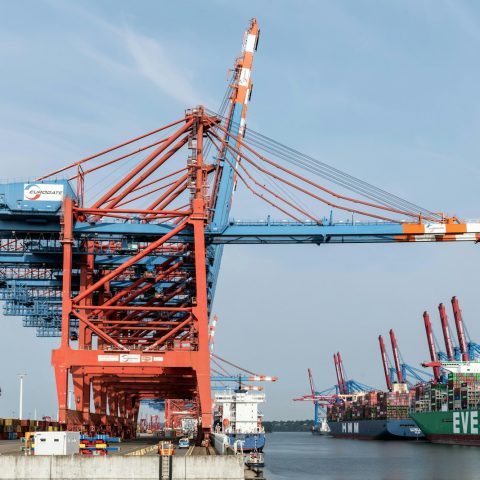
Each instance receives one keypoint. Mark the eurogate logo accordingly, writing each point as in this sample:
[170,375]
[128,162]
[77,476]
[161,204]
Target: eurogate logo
[32,192]
[42,192]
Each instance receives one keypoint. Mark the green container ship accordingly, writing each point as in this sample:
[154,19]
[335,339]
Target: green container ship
[450,413]
[459,428]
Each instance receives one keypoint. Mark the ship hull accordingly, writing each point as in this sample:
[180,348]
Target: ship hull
[404,429]
[250,441]
[460,427]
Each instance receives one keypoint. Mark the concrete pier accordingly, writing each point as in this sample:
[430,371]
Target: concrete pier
[214,467]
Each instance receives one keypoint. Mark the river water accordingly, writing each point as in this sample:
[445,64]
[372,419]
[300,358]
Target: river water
[306,457]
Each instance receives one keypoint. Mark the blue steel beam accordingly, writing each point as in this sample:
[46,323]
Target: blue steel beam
[239,232]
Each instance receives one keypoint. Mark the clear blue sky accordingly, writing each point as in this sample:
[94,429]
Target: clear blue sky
[387,91]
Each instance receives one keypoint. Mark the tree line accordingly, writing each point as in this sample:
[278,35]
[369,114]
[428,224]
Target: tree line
[288,426]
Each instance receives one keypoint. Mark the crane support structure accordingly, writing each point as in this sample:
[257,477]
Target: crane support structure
[431,345]
[315,402]
[386,370]
[342,385]
[457,313]
[396,357]
[446,332]
[337,373]
[118,253]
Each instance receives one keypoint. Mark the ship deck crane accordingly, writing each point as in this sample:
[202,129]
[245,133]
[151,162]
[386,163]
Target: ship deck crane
[125,275]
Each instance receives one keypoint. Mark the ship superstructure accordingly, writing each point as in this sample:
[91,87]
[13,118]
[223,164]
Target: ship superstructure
[239,419]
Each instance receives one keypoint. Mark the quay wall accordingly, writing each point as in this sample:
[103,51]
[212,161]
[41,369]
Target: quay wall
[214,467]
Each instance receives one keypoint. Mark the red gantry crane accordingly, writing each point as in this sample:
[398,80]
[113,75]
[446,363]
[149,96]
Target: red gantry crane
[118,254]
[320,399]
[467,349]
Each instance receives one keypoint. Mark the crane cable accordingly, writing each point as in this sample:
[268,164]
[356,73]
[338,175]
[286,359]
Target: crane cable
[333,174]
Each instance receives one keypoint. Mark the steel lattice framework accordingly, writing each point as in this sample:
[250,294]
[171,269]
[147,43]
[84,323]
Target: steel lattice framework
[126,276]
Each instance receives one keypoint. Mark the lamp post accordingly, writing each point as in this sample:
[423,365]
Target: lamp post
[21,376]
[70,394]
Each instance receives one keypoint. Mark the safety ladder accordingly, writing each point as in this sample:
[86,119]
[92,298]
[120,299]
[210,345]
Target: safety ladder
[165,467]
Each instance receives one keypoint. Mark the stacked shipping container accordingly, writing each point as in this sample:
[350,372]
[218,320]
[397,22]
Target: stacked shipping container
[373,405]
[462,392]
[11,428]
[430,397]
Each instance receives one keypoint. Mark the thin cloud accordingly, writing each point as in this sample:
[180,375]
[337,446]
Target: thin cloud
[145,56]
[156,62]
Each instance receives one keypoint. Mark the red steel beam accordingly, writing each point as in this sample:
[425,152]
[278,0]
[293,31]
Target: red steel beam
[446,332]
[385,363]
[457,313]
[111,149]
[136,171]
[396,357]
[153,246]
[431,345]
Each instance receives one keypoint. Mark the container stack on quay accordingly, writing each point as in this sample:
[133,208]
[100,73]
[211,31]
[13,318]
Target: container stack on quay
[98,445]
[13,429]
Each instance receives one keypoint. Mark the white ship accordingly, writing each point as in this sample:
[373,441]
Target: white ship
[237,417]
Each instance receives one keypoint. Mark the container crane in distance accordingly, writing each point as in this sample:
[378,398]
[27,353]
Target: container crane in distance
[118,253]
[330,395]
[434,357]
[402,372]
[388,370]
[467,349]
[319,398]
[344,386]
